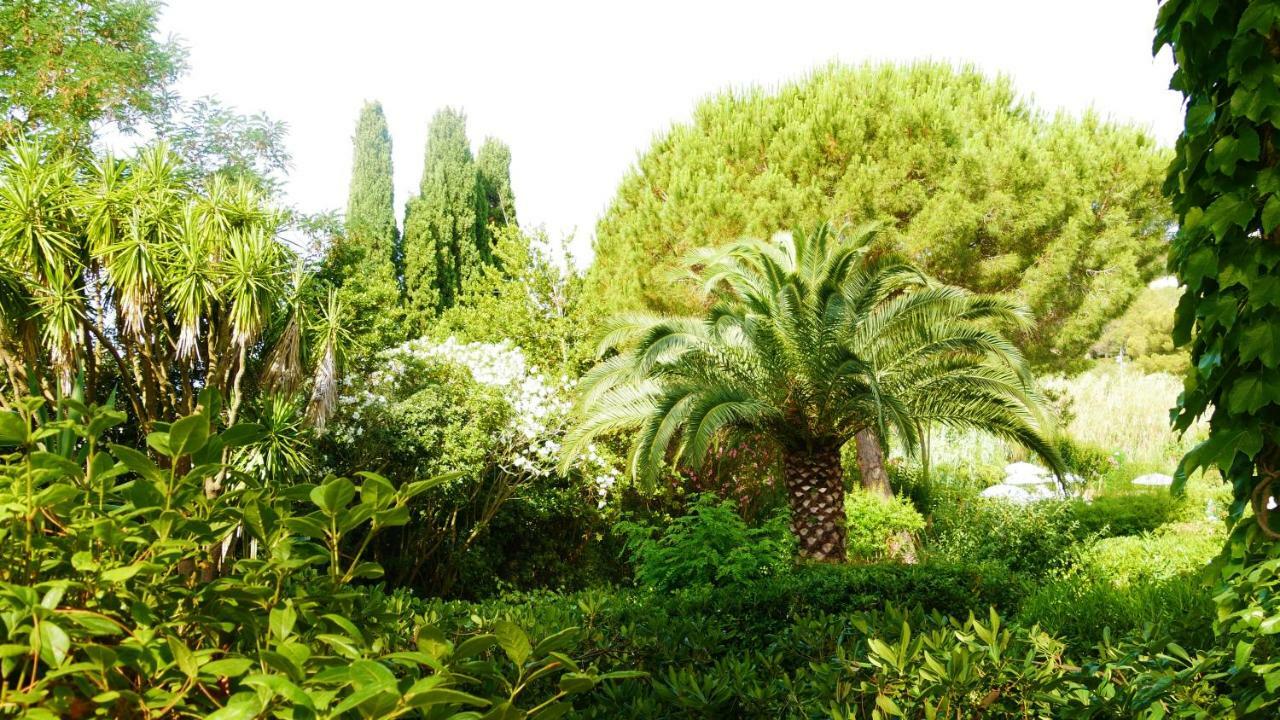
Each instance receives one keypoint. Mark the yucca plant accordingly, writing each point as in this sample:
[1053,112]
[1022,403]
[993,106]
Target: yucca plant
[811,339]
[171,282]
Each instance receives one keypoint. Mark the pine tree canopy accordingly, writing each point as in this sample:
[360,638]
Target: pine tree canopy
[970,181]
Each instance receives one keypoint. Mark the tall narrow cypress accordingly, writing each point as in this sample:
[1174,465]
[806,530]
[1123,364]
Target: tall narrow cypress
[441,246]
[363,262]
[497,203]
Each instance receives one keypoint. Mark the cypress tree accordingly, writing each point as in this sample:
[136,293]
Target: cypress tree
[441,245]
[497,203]
[363,263]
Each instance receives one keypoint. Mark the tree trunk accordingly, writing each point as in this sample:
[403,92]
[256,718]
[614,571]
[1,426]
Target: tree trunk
[871,463]
[815,489]
[900,546]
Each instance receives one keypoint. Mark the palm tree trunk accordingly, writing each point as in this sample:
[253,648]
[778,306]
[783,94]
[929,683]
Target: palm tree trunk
[815,489]
[900,546]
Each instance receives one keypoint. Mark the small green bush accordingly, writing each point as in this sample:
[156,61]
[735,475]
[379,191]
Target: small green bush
[872,520]
[1171,552]
[710,545]
[1132,513]
[1083,610]
[1034,539]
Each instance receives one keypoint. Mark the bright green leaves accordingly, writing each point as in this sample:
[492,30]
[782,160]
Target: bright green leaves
[1228,211]
[333,496]
[1261,341]
[122,594]
[1228,201]
[1230,150]
[13,429]
[1200,264]
[188,435]
[513,641]
[1271,214]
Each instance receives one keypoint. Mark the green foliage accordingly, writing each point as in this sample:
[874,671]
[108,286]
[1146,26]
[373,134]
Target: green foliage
[1086,610]
[1153,556]
[1222,183]
[873,519]
[822,641]
[711,545]
[1034,539]
[530,293]
[1144,333]
[71,63]
[127,590]
[213,139]
[1089,462]
[1131,513]
[149,282]
[497,202]
[972,183]
[363,260]
[442,246]
[439,422]
[812,338]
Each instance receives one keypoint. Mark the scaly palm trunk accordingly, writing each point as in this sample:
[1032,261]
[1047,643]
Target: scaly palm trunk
[815,489]
[901,546]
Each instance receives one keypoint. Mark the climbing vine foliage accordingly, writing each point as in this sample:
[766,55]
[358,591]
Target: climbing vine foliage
[1225,186]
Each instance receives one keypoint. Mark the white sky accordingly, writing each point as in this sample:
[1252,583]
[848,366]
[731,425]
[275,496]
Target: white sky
[578,89]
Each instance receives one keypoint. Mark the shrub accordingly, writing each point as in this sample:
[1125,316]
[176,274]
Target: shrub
[1131,513]
[1090,462]
[1034,539]
[479,411]
[710,545]
[1171,552]
[131,588]
[872,520]
[1083,610]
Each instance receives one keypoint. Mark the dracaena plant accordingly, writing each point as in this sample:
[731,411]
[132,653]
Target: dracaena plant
[127,591]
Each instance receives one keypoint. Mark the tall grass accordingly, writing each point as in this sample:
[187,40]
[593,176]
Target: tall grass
[1122,410]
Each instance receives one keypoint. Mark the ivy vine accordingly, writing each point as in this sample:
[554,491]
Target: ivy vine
[1225,186]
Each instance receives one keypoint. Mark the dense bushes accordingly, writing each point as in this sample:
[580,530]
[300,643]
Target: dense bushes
[873,520]
[1033,539]
[829,641]
[131,588]
[709,546]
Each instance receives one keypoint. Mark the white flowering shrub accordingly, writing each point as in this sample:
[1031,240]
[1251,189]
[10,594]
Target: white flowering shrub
[536,411]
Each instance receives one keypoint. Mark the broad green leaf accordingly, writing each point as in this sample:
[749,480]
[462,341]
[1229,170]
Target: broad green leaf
[334,495]
[188,435]
[574,683]
[13,429]
[242,434]
[136,461]
[227,667]
[1271,214]
[513,640]
[54,643]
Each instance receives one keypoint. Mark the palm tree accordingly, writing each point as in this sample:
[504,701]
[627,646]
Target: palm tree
[810,340]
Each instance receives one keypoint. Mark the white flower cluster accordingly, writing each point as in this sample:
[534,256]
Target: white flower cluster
[540,414]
